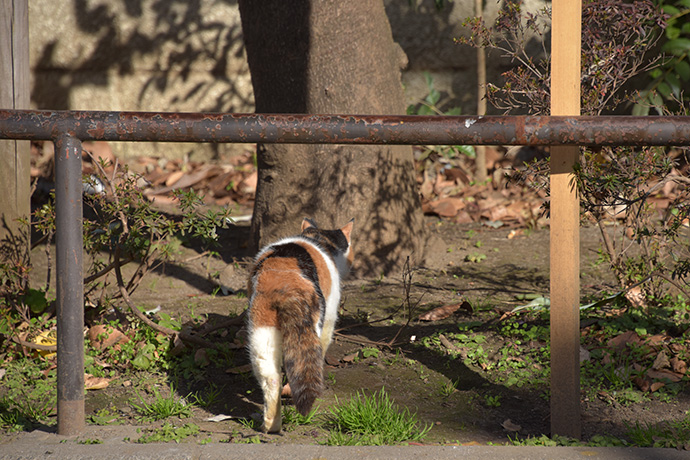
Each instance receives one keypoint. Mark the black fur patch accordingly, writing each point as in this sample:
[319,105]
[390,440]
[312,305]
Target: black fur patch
[333,241]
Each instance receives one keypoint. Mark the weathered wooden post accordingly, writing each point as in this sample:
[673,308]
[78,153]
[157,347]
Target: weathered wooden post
[566,32]
[14,155]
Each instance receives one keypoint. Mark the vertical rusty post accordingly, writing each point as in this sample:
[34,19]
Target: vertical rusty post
[565,225]
[70,285]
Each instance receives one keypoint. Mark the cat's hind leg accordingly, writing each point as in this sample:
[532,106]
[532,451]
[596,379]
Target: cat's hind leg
[267,359]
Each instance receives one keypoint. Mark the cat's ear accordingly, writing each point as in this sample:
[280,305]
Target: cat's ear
[347,229]
[306,223]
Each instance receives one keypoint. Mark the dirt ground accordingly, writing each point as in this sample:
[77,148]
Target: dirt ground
[486,269]
[514,263]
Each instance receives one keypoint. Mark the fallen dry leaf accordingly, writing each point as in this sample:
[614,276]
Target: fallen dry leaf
[193,178]
[443,186]
[661,361]
[510,426]
[219,418]
[472,443]
[678,365]
[248,185]
[440,312]
[446,207]
[101,336]
[642,384]
[332,360]
[240,369]
[636,297]
[219,184]
[620,341]
[173,178]
[657,339]
[95,383]
[350,358]
[178,346]
[201,358]
[656,385]
[48,338]
[664,374]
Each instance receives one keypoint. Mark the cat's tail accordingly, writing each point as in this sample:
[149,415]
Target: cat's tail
[302,354]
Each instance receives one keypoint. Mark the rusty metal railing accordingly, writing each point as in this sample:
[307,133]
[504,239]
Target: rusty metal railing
[344,129]
[69,128]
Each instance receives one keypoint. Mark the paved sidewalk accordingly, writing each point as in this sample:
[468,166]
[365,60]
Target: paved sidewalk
[42,445]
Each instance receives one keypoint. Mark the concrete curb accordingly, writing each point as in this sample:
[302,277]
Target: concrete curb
[42,445]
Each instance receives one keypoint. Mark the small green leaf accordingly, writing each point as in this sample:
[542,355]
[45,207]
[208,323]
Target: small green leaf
[425,110]
[429,80]
[370,353]
[677,46]
[640,110]
[665,91]
[672,33]
[433,97]
[670,9]
[673,83]
[145,357]
[682,68]
[36,300]
[466,150]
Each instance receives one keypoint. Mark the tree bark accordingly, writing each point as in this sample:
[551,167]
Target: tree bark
[330,56]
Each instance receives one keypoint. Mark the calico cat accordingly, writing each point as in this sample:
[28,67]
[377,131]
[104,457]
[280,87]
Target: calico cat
[294,293]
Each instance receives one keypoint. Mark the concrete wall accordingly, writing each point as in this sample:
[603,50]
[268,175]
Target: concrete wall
[163,55]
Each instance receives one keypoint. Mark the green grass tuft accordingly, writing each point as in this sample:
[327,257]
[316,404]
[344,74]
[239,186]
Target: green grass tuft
[163,407]
[373,420]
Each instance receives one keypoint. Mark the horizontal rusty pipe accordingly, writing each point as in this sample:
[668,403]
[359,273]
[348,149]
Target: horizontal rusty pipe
[345,129]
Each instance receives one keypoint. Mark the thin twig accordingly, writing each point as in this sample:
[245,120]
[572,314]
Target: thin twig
[192,258]
[105,270]
[33,346]
[406,303]
[672,282]
[349,338]
[195,339]
[49,259]
[125,296]
[407,287]
[223,324]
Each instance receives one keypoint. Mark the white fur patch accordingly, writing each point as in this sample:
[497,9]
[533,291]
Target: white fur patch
[266,345]
[266,353]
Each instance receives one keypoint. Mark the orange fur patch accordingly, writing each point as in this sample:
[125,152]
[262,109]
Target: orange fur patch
[280,279]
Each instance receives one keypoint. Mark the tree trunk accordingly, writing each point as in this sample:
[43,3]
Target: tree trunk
[331,56]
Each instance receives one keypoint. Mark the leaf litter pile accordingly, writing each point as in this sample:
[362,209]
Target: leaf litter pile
[637,354]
